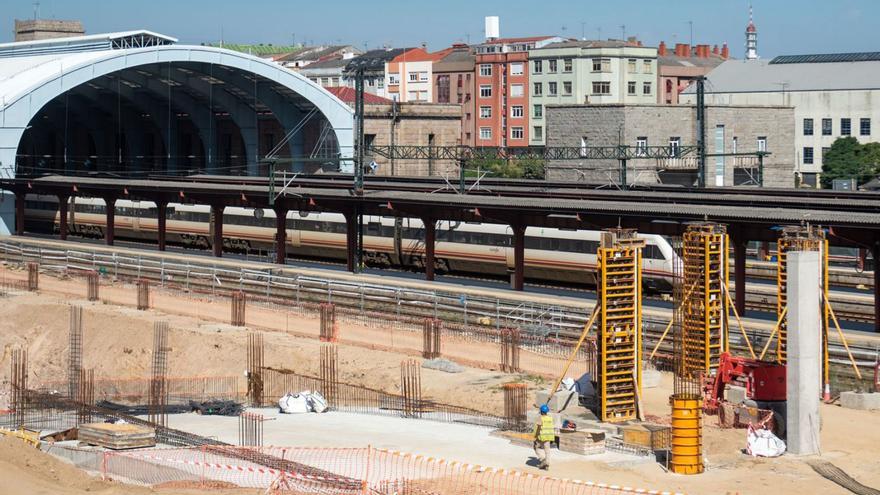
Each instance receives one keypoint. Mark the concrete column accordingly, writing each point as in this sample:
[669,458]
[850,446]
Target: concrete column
[63,215]
[280,235]
[217,219]
[110,229]
[430,241]
[875,253]
[804,354]
[161,219]
[519,256]
[19,213]
[739,273]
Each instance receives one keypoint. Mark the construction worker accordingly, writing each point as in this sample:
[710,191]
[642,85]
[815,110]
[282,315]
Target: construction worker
[544,435]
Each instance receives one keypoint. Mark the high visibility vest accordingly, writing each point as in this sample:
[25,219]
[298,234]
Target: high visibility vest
[544,430]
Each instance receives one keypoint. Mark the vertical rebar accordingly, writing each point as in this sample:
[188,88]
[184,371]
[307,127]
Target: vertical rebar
[329,373]
[85,396]
[411,388]
[510,341]
[74,358]
[19,386]
[92,286]
[158,380]
[33,276]
[238,309]
[143,294]
[255,368]
[431,338]
[250,429]
[328,322]
[515,406]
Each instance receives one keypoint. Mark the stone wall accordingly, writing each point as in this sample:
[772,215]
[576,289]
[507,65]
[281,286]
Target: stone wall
[610,125]
[42,29]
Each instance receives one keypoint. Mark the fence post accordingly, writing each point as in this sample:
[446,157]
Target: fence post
[104,466]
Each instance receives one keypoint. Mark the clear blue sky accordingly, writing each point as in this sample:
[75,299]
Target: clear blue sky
[784,26]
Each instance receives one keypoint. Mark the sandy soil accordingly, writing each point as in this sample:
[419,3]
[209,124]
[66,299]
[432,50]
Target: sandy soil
[118,342]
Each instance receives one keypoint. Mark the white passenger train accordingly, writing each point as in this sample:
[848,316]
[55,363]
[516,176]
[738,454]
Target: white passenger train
[553,255]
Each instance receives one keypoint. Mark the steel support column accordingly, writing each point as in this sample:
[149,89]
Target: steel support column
[430,241]
[217,223]
[161,221]
[280,235]
[519,258]
[739,273]
[351,233]
[19,213]
[110,231]
[62,216]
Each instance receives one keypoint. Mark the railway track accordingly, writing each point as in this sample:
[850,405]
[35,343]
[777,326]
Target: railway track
[548,315]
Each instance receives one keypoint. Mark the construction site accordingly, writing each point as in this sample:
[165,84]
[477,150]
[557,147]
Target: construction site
[172,381]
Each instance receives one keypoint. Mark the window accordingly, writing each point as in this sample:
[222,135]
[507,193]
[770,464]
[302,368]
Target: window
[335,82]
[631,66]
[584,149]
[675,147]
[423,76]
[566,88]
[865,127]
[762,143]
[566,65]
[516,111]
[647,67]
[413,77]
[325,81]
[516,69]
[824,151]
[485,112]
[485,91]
[538,67]
[735,143]
[412,95]
[601,88]
[808,127]
[538,133]
[826,127]
[845,127]
[642,146]
[601,65]
[551,89]
[631,87]
[553,66]
[808,156]
[516,90]
[443,89]
[646,88]
[485,133]
[538,89]
[393,79]
[485,70]
[538,111]
[516,133]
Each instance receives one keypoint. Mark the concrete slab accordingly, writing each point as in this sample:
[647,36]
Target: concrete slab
[459,442]
[857,400]
[558,402]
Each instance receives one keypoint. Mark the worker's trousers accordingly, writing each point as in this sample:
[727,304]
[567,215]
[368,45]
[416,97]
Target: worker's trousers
[542,451]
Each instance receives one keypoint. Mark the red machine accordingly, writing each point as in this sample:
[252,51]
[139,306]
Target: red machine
[764,381]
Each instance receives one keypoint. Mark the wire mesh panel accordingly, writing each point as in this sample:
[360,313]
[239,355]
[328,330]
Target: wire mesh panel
[619,335]
[704,305]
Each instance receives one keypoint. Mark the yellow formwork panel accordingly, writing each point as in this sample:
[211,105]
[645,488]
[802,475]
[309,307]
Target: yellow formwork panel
[704,308]
[619,334]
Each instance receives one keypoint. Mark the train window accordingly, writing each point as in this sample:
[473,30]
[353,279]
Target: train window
[373,228]
[653,252]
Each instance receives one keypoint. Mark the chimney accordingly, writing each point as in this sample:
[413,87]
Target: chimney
[715,50]
[680,49]
[686,50]
[661,50]
[725,52]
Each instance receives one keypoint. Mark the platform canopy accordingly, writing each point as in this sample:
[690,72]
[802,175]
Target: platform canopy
[138,102]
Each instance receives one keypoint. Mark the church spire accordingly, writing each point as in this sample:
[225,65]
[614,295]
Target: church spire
[751,38]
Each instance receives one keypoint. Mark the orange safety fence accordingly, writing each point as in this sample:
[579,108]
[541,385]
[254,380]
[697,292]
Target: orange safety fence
[321,470]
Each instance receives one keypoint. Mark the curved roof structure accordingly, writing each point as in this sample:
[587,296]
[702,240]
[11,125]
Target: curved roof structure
[204,85]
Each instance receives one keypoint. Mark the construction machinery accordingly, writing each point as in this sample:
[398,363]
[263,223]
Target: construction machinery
[764,382]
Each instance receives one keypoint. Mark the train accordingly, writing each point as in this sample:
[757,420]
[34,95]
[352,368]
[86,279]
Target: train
[552,255]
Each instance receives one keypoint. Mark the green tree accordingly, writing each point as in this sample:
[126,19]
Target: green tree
[507,169]
[849,159]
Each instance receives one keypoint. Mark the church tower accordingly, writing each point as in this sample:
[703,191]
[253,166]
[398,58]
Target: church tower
[751,38]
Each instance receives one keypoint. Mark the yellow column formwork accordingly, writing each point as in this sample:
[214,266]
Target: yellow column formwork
[619,370]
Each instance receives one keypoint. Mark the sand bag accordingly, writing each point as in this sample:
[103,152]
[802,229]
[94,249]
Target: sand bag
[763,443]
[294,404]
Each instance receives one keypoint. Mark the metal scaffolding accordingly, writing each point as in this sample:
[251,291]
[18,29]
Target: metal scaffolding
[619,288]
[704,306]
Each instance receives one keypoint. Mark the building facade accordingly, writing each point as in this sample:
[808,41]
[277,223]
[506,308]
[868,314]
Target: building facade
[682,66]
[454,83]
[44,29]
[502,90]
[409,76]
[729,129]
[588,72]
[833,95]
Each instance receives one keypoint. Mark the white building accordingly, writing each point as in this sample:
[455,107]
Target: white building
[409,77]
[833,95]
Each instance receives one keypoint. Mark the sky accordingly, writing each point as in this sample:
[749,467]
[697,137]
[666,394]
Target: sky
[784,26]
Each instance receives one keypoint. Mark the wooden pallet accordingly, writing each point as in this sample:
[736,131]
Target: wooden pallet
[117,436]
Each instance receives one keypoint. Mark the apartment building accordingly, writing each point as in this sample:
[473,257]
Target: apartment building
[502,90]
[409,76]
[683,65]
[589,72]
[454,83]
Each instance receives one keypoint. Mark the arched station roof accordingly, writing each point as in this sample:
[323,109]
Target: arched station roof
[141,64]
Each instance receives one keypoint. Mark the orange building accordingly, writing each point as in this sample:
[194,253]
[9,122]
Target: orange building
[501,75]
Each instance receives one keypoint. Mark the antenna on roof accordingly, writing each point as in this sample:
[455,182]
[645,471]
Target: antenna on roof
[36,10]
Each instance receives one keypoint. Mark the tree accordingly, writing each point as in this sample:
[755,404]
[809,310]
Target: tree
[849,159]
[507,169]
